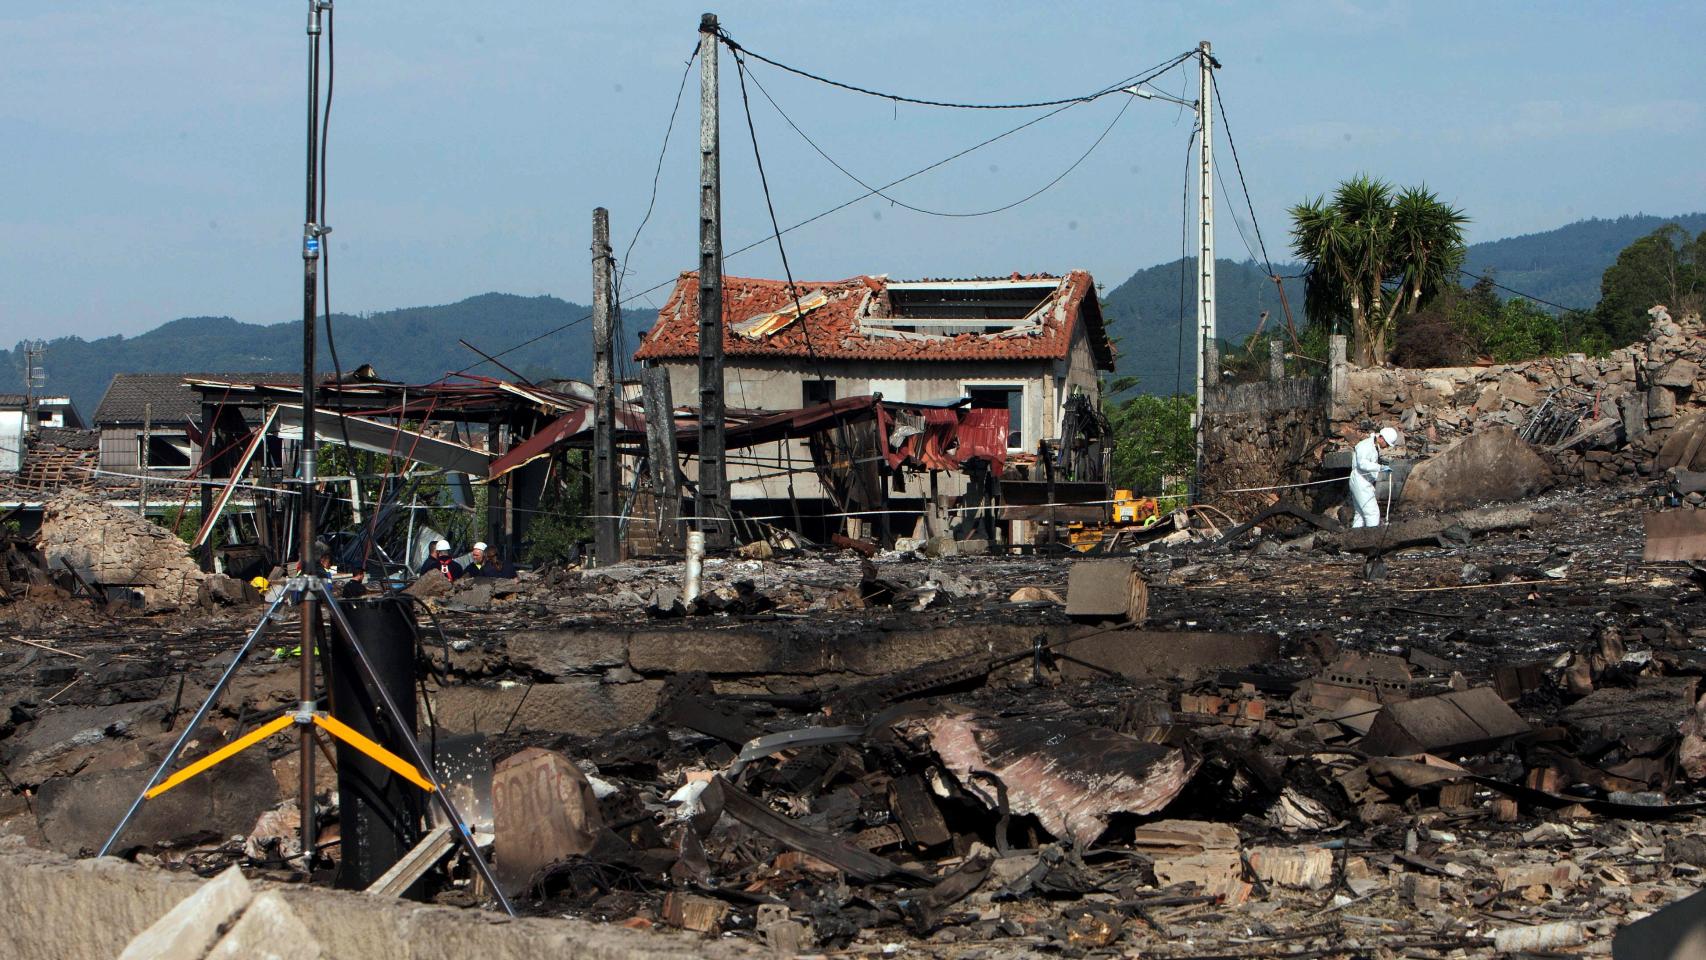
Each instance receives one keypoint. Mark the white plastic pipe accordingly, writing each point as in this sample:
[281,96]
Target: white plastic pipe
[695,566]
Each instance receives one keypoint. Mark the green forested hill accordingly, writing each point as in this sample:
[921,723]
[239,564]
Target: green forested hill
[1562,266]
[416,344]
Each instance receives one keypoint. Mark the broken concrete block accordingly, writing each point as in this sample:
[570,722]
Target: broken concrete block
[1381,677]
[1458,721]
[1556,877]
[1106,590]
[543,810]
[561,652]
[268,930]
[1489,465]
[1675,535]
[1151,654]
[188,929]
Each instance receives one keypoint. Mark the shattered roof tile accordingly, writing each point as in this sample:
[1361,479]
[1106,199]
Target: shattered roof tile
[835,330]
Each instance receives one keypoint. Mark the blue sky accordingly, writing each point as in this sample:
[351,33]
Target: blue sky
[154,151]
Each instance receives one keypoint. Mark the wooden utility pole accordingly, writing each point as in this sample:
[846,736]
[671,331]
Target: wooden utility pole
[660,451]
[604,477]
[713,498]
[209,427]
[494,492]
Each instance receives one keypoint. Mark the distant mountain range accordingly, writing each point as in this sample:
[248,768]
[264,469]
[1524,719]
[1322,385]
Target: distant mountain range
[419,344]
[414,345]
[1562,266]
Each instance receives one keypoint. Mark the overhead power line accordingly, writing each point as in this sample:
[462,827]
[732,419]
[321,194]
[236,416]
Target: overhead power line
[921,101]
[1525,296]
[879,191]
[869,192]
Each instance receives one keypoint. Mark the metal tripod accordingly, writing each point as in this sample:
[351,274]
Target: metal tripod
[306,715]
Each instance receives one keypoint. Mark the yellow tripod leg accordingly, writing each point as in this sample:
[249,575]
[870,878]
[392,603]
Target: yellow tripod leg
[222,754]
[391,761]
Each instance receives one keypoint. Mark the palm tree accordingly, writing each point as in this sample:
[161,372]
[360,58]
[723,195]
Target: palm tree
[1372,254]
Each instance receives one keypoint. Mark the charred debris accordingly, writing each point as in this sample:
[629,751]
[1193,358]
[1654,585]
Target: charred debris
[1230,743]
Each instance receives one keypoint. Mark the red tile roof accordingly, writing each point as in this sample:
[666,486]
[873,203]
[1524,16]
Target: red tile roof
[835,330]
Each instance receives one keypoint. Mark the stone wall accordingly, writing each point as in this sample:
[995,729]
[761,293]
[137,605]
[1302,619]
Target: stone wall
[1260,435]
[1635,397]
[113,547]
[1598,419]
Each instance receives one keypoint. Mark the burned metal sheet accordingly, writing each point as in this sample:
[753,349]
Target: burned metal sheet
[376,437]
[1070,776]
[1462,720]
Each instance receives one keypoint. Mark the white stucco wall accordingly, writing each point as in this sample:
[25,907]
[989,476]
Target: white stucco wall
[777,385]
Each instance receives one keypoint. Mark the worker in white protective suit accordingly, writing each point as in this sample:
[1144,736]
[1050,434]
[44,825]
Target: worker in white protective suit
[1366,470]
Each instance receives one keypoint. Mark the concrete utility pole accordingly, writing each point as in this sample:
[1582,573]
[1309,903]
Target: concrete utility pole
[1205,250]
[713,496]
[661,453]
[604,477]
[147,440]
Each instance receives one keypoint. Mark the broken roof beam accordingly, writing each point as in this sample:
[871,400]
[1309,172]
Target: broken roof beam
[383,438]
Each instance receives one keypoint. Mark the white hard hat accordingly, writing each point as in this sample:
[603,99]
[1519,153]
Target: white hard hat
[1390,435]
[443,545]
[480,545]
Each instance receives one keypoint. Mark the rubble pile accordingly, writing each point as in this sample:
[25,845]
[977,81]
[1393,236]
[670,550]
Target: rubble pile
[115,548]
[1368,802]
[1499,748]
[1600,418]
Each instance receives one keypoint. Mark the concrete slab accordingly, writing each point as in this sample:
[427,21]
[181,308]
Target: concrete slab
[268,930]
[188,929]
[1155,654]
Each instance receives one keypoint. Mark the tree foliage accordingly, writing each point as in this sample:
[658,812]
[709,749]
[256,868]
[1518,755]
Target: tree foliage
[561,527]
[1374,253]
[1153,441]
[1663,267]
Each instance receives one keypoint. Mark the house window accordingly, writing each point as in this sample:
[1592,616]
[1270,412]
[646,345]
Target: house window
[1010,397]
[167,452]
[816,391]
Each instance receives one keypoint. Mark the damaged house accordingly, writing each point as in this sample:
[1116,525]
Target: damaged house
[1017,352]
[162,413]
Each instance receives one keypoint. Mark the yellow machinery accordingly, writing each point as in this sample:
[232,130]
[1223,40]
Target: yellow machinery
[1127,511]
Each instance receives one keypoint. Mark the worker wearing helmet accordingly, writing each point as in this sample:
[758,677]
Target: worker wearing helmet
[441,563]
[1366,470]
